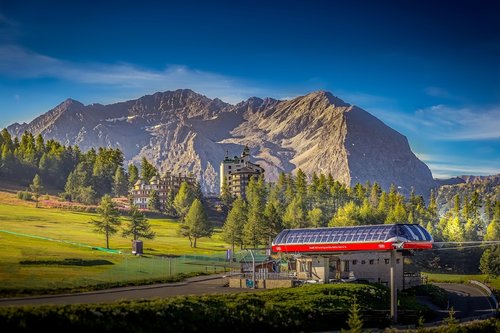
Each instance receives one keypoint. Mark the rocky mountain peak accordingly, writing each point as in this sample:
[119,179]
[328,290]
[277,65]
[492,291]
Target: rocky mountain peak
[183,131]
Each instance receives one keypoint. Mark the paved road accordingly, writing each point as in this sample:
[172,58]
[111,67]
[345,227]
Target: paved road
[467,300]
[193,286]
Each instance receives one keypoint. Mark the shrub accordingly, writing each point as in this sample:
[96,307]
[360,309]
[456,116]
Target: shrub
[24,195]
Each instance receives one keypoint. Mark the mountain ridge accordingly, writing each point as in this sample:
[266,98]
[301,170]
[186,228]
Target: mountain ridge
[183,131]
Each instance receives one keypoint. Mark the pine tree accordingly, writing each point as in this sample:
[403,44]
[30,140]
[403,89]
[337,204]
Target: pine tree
[375,194]
[133,175]
[301,183]
[454,231]
[456,205]
[397,214]
[196,224]
[273,220]
[138,225]
[368,215]
[295,214]
[315,217]
[147,170]
[169,203]
[493,231]
[225,195]
[154,201]
[255,229]
[120,183]
[110,221]
[490,261]
[183,199]
[36,188]
[346,216]
[232,231]
[354,320]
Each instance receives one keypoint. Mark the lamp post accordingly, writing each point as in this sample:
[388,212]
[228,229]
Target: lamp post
[253,268]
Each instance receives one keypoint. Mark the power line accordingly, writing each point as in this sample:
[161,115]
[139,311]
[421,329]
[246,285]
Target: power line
[470,242]
[462,247]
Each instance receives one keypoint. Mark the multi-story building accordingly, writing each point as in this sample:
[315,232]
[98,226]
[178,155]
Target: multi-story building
[237,171]
[169,182]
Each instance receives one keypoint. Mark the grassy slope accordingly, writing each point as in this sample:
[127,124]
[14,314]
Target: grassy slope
[457,278]
[22,217]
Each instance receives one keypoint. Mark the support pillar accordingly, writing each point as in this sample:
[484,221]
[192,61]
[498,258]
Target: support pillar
[394,289]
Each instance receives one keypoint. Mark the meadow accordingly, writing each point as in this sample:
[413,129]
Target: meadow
[44,248]
[49,249]
[492,282]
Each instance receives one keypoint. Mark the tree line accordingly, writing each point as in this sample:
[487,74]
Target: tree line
[294,201]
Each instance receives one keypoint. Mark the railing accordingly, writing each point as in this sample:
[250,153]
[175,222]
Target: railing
[487,290]
[266,276]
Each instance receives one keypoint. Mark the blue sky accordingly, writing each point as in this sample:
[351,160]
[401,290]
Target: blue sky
[429,69]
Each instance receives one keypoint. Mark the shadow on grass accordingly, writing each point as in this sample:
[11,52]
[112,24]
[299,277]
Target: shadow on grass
[68,262]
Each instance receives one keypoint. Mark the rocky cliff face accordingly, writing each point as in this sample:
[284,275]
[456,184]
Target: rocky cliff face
[184,131]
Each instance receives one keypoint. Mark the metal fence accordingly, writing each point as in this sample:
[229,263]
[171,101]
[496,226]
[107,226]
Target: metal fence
[138,268]
[266,276]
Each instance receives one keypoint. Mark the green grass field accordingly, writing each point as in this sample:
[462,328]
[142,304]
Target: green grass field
[48,259]
[457,278]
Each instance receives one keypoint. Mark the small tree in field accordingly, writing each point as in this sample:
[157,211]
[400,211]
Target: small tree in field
[196,223]
[354,321]
[110,221]
[138,225]
[36,187]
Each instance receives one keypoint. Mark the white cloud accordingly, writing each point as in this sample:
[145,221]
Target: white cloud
[442,166]
[441,122]
[21,63]
[453,170]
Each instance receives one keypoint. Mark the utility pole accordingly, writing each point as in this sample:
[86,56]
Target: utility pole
[394,290]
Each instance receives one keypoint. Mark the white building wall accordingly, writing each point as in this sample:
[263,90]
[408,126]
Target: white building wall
[370,266]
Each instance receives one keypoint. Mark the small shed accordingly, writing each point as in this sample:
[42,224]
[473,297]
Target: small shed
[137,247]
[262,262]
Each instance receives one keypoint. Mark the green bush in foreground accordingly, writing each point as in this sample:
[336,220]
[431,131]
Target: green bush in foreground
[303,309]
[307,308]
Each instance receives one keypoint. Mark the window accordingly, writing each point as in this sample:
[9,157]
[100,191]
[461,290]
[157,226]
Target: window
[354,262]
[346,265]
[397,261]
[372,261]
[386,261]
[229,167]
[363,262]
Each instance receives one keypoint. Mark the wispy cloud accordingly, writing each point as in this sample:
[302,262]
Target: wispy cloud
[443,166]
[441,93]
[442,122]
[21,63]
[461,124]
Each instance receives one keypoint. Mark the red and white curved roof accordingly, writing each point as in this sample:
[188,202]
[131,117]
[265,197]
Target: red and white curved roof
[380,237]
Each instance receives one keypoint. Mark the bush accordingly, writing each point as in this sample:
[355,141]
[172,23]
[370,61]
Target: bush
[437,295]
[308,308]
[24,195]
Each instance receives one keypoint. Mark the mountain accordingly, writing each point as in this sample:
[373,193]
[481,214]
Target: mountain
[487,187]
[185,131]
